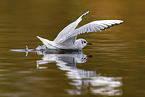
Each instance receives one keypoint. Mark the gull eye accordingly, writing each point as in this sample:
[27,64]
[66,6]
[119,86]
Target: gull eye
[84,41]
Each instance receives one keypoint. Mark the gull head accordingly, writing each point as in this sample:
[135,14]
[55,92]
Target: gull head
[81,43]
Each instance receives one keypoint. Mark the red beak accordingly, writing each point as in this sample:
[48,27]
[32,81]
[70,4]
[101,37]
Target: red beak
[89,43]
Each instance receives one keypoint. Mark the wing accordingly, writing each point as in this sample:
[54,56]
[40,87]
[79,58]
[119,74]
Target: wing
[69,41]
[68,29]
[92,27]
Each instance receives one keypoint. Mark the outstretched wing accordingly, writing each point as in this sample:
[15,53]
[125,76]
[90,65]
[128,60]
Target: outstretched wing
[68,29]
[92,27]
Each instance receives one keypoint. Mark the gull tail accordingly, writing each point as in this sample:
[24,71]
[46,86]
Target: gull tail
[46,42]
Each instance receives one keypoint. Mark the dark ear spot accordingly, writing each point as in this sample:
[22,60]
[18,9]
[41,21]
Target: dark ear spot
[82,42]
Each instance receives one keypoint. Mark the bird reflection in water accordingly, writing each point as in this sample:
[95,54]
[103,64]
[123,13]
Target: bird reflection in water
[84,81]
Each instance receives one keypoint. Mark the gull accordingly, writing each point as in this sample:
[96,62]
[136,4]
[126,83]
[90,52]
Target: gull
[66,39]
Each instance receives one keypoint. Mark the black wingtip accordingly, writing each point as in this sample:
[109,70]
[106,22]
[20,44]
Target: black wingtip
[85,13]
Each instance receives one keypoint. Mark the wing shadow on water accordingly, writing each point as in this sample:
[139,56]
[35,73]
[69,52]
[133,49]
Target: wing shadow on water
[83,80]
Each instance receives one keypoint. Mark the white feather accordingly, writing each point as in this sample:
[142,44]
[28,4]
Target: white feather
[68,29]
[94,26]
[66,39]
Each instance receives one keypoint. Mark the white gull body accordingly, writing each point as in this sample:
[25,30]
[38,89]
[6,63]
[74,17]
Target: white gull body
[66,39]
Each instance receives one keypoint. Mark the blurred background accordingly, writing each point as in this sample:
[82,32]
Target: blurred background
[116,67]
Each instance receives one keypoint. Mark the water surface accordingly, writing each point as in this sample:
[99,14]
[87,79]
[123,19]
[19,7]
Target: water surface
[113,66]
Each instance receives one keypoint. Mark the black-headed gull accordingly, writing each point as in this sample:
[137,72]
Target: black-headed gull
[66,39]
